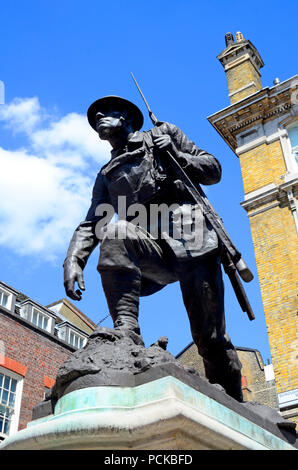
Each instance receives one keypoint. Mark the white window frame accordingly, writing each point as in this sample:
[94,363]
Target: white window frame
[78,336]
[9,298]
[14,424]
[43,316]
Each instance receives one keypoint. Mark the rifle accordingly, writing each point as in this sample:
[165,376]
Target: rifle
[231,258]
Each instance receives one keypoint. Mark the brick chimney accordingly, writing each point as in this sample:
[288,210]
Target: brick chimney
[242,63]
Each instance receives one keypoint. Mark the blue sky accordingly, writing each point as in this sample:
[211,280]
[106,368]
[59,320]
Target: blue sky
[58,57]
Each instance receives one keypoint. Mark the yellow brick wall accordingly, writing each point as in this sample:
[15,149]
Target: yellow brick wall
[262,165]
[275,242]
[274,237]
[241,75]
[243,94]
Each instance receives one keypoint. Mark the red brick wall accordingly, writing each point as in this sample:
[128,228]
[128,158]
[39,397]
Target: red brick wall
[39,354]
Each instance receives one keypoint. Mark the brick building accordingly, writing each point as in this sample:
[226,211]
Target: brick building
[34,342]
[261,127]
[258,382]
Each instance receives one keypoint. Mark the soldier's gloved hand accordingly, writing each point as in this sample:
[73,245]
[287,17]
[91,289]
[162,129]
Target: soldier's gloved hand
[164,142]
[73,273]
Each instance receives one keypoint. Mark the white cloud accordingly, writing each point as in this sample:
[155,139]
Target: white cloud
[22,115]
[70,135]
[45,186]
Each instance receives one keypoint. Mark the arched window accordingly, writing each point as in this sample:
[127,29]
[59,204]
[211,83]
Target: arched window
[293,136]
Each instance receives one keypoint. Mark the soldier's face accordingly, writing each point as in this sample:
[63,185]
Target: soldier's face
[109,123]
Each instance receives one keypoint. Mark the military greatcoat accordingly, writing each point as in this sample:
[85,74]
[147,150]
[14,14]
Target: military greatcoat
[141,173]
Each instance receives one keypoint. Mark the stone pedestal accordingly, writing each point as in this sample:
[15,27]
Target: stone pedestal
[115,394]
[162,413]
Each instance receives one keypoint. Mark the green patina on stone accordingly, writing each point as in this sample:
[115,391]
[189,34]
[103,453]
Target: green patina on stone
[99,400]
[107,398]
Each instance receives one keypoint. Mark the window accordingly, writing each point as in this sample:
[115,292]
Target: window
[293,136]
[4,299]
[40,320]
[76,340]
[68,333]
[9,402]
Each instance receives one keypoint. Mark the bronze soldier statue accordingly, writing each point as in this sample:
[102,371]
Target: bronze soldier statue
[137,264]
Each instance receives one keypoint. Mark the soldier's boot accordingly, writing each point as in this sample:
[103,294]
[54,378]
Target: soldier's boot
[227,374]
[122,291]
[234,387]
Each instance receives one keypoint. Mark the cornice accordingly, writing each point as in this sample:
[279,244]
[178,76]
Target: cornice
[261,106]
[269,196]
[236,50]
[260,197]
[291,182]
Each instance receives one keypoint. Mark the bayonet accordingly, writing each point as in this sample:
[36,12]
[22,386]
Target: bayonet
[153,118]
